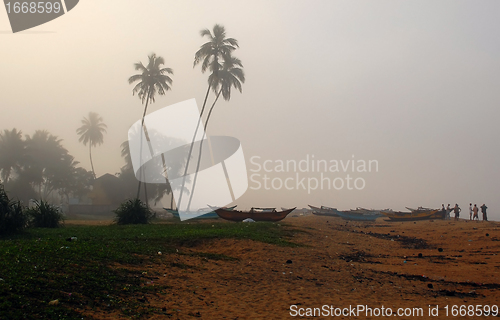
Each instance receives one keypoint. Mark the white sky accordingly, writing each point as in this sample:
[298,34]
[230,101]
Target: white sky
[412,84]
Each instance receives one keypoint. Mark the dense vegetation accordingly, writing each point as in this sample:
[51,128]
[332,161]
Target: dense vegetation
[44,215]
[133,211]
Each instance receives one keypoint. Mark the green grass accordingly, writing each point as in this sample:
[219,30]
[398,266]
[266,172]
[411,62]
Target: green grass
[40,265]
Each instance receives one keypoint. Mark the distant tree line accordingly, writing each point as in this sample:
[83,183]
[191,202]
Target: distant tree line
[38,167]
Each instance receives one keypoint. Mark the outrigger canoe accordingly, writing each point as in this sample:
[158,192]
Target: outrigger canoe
[409,216]
[256,214]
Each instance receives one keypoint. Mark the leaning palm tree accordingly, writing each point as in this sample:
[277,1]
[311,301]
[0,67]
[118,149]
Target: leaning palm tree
[152,79]
[230,75]
[91,132]
[211,55]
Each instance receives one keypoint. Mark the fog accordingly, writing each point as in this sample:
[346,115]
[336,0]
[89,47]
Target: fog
[410,85]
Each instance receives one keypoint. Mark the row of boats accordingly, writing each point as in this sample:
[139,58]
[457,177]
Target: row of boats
[358,214]
[362,214]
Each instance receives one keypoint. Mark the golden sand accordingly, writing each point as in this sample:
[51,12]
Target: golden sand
[390,264]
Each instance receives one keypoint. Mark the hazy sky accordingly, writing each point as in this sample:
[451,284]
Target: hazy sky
[411,84]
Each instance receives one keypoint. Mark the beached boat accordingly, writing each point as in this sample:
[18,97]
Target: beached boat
[324,211]
[440,214]
[256,214]
[360,214]
[346,215]
[208,215]
[360,210]
[408,216]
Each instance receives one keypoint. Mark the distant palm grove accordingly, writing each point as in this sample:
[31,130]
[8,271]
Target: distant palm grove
[37,166]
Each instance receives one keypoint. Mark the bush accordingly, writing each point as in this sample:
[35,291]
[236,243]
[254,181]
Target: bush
[12,216]
[45,215]
[133,211]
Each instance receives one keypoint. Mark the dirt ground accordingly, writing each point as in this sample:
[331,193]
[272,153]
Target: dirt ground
[342,264]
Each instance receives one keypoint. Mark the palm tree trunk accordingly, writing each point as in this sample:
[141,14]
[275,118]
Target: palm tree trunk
[146,195]
[201,146]
[140,154]
[191,148]
[91,163]
[211,109]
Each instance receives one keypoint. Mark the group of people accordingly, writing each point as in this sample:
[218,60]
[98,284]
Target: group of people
[473,211]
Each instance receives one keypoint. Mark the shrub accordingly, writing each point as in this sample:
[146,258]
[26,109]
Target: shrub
[45,215]
[12,216]
[133,211]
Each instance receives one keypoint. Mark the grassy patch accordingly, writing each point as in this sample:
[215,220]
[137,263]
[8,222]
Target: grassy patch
[41,265]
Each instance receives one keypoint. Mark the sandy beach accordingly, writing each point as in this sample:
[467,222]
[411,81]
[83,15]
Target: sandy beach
[340,264]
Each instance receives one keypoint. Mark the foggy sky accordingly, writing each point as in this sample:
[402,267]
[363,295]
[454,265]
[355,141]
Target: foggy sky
[413,85]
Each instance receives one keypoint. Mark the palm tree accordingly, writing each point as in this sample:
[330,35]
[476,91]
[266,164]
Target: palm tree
[91,132]
[46,160]
[152,79]
[12,153]
[125,153]
[211,55]
[231,75]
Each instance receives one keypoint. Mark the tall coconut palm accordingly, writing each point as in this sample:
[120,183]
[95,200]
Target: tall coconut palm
[12,152]
[151,80]
[230,75]
[91,132]
[211,55]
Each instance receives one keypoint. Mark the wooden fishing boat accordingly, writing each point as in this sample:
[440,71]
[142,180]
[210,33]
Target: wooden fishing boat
[360,214]
[347,215]
[408,216]
[256,214]
[360,210]
[440,214]
[208,215]
[324,211]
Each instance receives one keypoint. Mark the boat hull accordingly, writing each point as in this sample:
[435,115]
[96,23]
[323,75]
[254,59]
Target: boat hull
[346,215]
[440,214]
[208,215]
[239,216]
[409,216]
[324,211]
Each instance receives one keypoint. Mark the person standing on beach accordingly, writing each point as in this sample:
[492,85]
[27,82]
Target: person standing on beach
[483,210]
[470,211]
[443,210]
[475,210]
[457,210]
[448,210]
